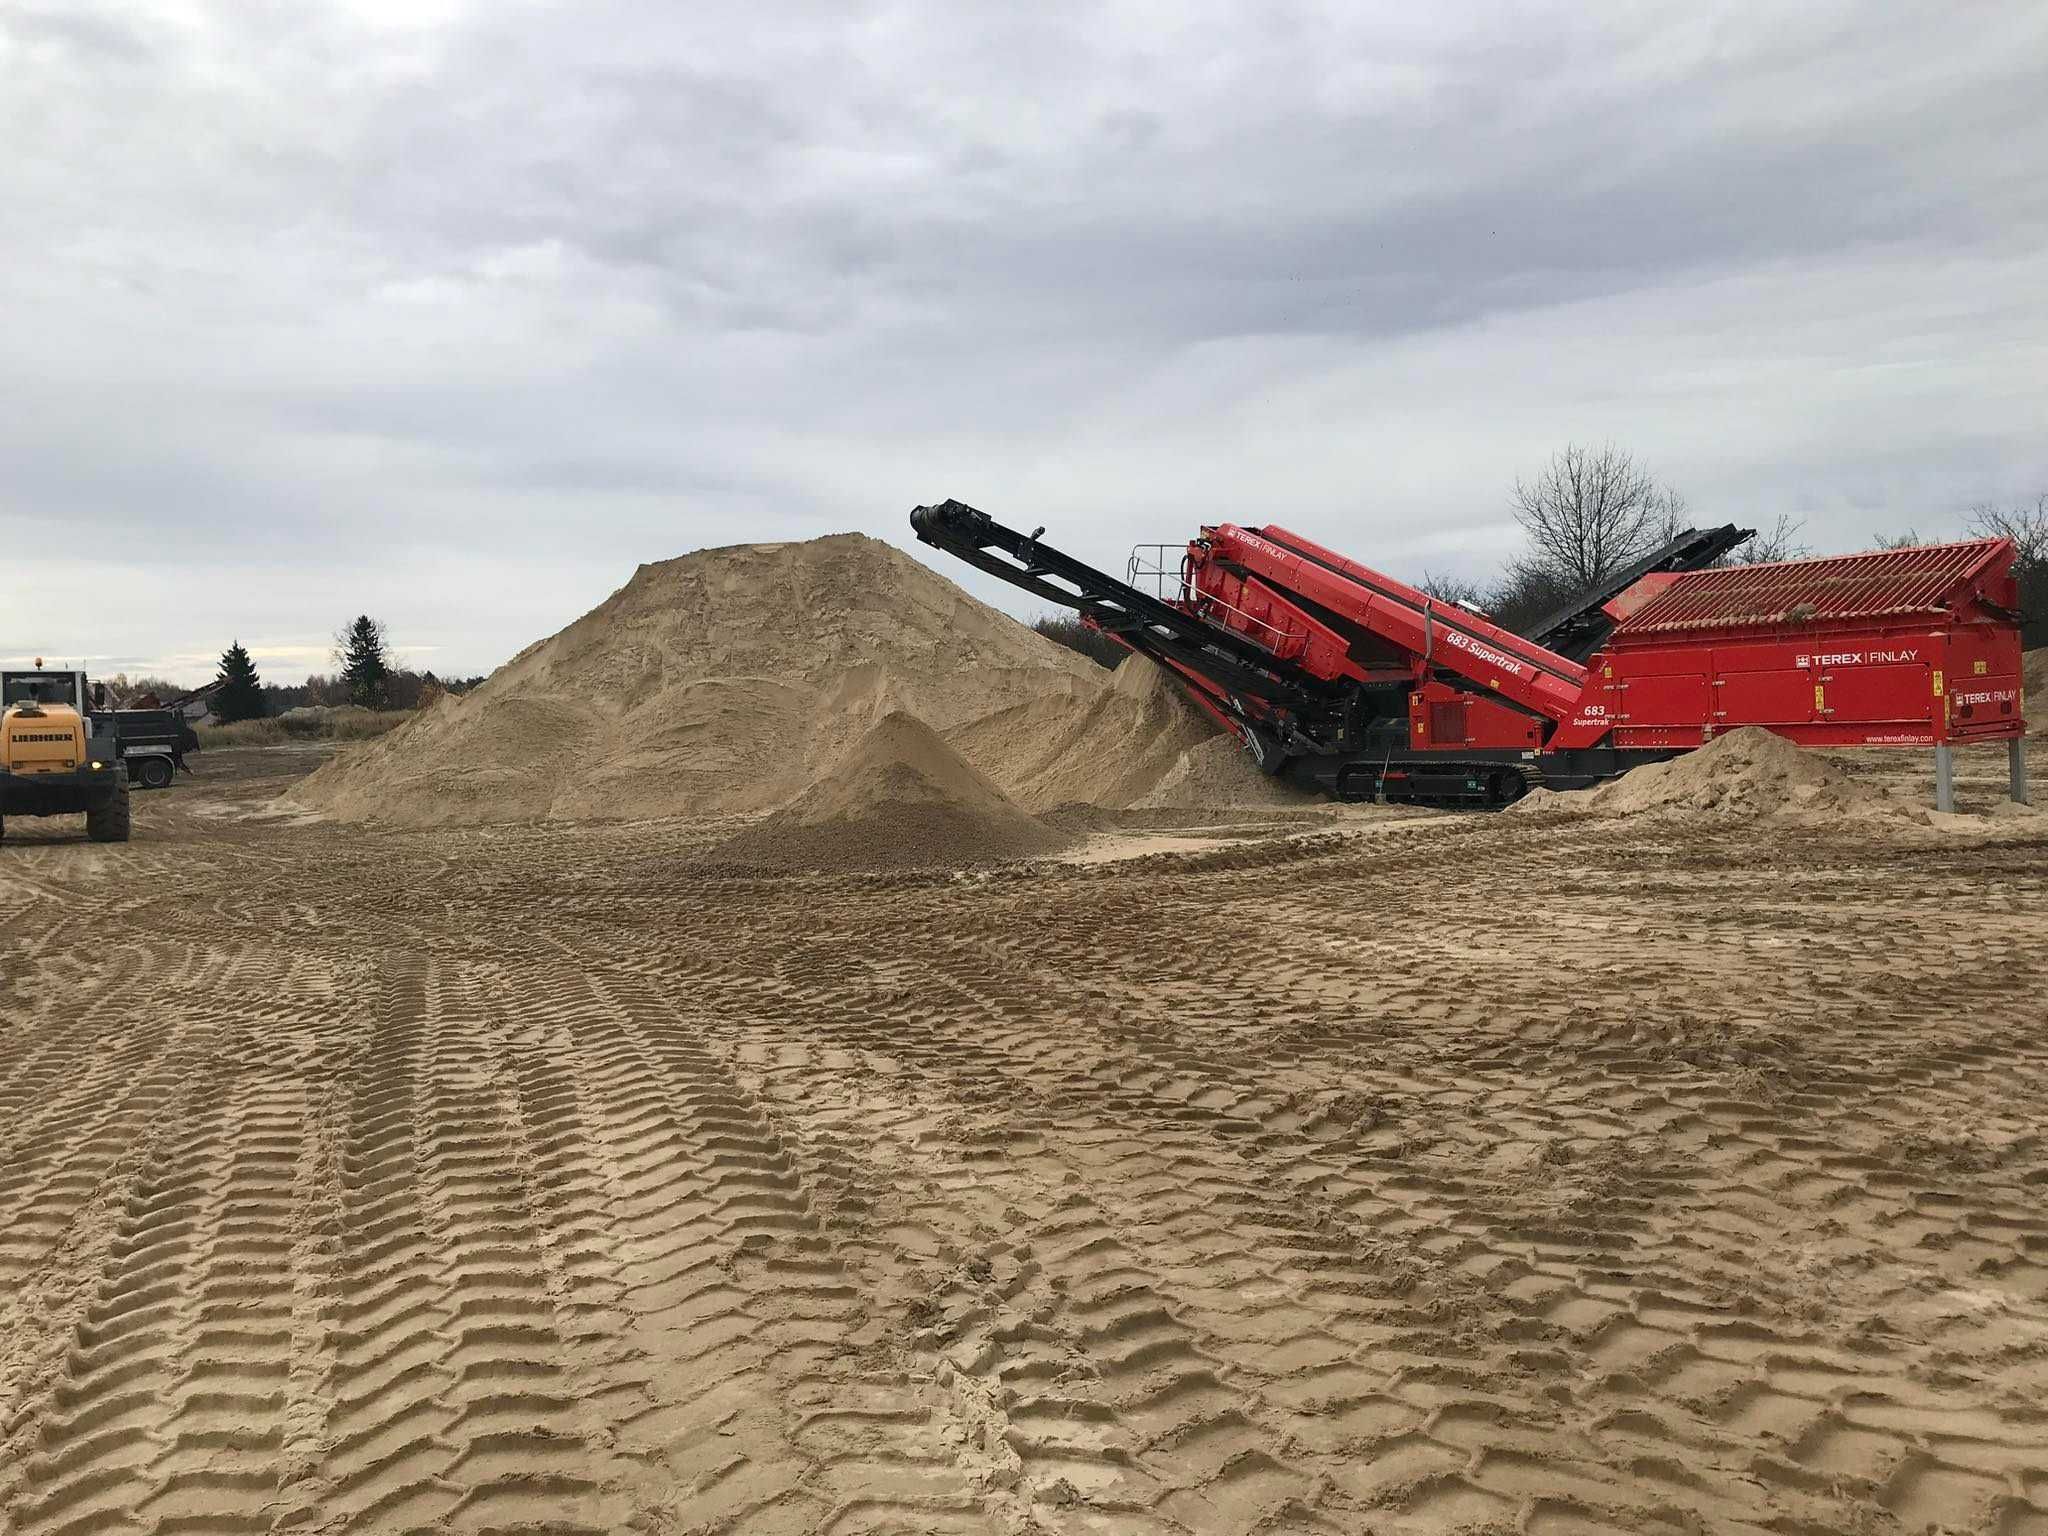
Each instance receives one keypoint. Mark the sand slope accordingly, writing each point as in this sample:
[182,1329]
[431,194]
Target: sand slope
[1139,742]
[900,798]
[1109,751]
[1220,773]
[717,683]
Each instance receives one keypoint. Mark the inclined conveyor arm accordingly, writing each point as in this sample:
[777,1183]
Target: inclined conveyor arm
[1235,663]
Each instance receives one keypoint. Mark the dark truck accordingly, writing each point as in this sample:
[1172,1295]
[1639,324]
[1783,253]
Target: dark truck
[150,743]
[153,744]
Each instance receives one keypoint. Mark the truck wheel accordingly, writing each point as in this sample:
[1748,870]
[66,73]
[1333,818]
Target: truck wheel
[109,824]
[154,772]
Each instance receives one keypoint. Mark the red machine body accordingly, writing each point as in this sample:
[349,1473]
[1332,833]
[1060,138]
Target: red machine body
[1274,582]
[1340,677]
[1904,647]
[1907,647]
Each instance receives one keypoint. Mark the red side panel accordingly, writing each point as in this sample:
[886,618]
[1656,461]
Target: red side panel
[1891,647]
[1757,687]
[1848,688]
[1290,632]
[1390,612]
[1983,684]
[1445,719]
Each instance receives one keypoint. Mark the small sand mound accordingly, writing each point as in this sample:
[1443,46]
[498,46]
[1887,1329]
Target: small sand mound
[900,799]
[1748,772]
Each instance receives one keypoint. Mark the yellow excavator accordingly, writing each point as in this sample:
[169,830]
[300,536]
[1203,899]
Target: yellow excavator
[53,762]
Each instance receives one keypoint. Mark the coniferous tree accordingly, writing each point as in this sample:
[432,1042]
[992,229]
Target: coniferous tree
[365,668]
[241,691]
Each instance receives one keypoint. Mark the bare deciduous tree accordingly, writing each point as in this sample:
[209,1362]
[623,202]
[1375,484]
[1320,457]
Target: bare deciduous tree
[1528,591]
[1670,515]
[1778,542]
[1453,589]
[2027,527]
[125,687]
[1590,512]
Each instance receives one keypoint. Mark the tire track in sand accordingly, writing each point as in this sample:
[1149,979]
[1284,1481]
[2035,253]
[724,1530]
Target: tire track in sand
[764,1372]
[70,1171]
[450,1397]
[1076,1327]
[1269,1330]
[168,1409]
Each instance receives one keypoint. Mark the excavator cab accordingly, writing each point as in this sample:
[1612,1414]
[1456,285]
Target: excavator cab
[36,688]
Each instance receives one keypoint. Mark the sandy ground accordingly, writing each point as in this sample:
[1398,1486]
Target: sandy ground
[1418,1174]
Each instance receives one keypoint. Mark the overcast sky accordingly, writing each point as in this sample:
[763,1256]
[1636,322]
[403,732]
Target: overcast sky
[454,312]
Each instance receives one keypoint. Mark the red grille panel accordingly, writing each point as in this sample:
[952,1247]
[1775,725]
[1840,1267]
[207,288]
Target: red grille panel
[1890,583]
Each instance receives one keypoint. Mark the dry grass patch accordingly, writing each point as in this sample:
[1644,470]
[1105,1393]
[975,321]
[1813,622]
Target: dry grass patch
[349,723]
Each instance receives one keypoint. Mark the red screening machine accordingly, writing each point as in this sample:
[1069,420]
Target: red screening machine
[1341,678]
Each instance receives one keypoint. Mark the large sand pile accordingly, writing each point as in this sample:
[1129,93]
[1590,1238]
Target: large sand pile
[900,798]
[1750,772]
[1140,742]
[2034,690]
[717,683]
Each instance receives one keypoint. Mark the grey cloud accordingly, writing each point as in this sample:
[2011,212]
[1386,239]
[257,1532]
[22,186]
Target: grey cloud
[585,285]
[104,39]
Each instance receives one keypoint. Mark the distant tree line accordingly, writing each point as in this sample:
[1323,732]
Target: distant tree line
[364,675]
[1591,512]
[125,687]
[403,688]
